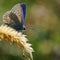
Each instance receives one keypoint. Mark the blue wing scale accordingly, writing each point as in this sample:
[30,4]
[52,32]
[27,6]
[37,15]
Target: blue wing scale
[24,12]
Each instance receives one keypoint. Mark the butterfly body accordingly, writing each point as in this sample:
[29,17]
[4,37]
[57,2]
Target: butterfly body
[16,17]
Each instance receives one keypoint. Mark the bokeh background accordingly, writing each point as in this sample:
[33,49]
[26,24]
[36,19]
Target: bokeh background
[42,29]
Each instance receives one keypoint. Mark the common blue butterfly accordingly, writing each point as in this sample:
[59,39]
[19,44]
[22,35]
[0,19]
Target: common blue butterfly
[16,17]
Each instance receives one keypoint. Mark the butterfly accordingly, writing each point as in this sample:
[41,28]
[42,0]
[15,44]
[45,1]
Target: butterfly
[16,17]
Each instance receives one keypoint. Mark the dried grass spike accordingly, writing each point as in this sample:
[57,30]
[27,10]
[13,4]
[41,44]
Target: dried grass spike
[12,36]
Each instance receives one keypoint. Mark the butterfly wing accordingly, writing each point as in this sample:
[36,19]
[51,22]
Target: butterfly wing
[16,17]
[20,11]
[24,12]
[15,23]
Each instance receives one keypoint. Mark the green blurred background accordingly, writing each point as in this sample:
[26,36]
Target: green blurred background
[42,29]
